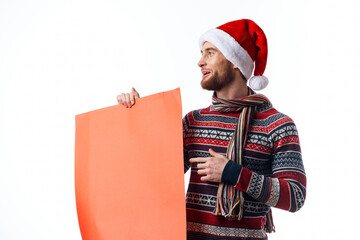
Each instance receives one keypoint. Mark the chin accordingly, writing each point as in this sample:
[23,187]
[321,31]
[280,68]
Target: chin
[210,88]
[210,84]
[206,85]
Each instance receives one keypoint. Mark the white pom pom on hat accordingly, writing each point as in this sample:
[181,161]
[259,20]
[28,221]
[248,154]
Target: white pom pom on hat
[258,82]
[244,44]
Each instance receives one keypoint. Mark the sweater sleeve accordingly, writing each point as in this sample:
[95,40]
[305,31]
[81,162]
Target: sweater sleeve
[286,187]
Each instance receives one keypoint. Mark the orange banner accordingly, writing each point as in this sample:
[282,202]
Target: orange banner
[129,178]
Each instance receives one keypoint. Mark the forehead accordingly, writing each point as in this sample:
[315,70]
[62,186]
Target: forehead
[208,45]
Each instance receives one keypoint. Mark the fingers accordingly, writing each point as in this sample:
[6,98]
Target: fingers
[198,160]
[128,99]
[122,99]
[205,179]
[202,172]
[205,176]
[210,168]
[118,98]
[132,98]
[202,168]
[202,165]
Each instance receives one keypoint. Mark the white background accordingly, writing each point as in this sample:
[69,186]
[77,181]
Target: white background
[62,58]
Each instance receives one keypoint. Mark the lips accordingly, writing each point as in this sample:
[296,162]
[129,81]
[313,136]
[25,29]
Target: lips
[205,73]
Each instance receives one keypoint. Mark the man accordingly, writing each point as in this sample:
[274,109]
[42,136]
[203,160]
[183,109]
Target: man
[244,155]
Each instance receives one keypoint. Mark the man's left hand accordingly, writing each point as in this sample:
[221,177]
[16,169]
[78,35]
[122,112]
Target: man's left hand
[211,168]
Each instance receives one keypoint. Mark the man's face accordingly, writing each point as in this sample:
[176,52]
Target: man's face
[216,70]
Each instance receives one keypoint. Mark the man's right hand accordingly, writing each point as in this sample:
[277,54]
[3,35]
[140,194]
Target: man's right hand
[128,99]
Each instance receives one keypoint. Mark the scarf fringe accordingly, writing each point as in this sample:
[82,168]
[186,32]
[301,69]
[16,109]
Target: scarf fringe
[269,225]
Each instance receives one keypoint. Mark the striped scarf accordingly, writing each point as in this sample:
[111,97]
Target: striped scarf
[230,201]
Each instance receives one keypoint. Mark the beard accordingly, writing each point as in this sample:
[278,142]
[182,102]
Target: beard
[217,81]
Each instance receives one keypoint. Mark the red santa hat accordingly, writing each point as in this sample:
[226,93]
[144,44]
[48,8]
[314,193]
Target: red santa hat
[244,44]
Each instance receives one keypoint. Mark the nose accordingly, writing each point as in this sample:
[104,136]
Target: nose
[201,62]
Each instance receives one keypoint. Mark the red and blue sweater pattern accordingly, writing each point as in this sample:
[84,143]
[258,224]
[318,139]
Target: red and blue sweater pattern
[272,174]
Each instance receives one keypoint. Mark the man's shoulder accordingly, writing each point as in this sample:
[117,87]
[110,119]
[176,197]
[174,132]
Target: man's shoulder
[197,112]
[266,110]
[268,116]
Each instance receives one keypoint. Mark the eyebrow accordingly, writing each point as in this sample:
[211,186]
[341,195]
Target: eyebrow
[208,49]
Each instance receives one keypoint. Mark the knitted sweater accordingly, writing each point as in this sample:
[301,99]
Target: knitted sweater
[272,174]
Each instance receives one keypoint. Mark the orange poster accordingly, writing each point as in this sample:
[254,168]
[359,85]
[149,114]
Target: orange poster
[129,177]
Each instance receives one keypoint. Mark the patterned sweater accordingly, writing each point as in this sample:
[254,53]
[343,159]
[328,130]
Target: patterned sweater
[272,174]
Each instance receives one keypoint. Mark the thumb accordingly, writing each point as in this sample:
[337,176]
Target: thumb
[136,94]
[213,153]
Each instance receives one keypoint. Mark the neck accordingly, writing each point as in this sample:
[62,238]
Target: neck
[235,89]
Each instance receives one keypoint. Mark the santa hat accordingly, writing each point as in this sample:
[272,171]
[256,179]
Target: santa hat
[244,44]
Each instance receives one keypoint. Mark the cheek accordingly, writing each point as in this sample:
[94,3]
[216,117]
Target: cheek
[214,64]
[223,67]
